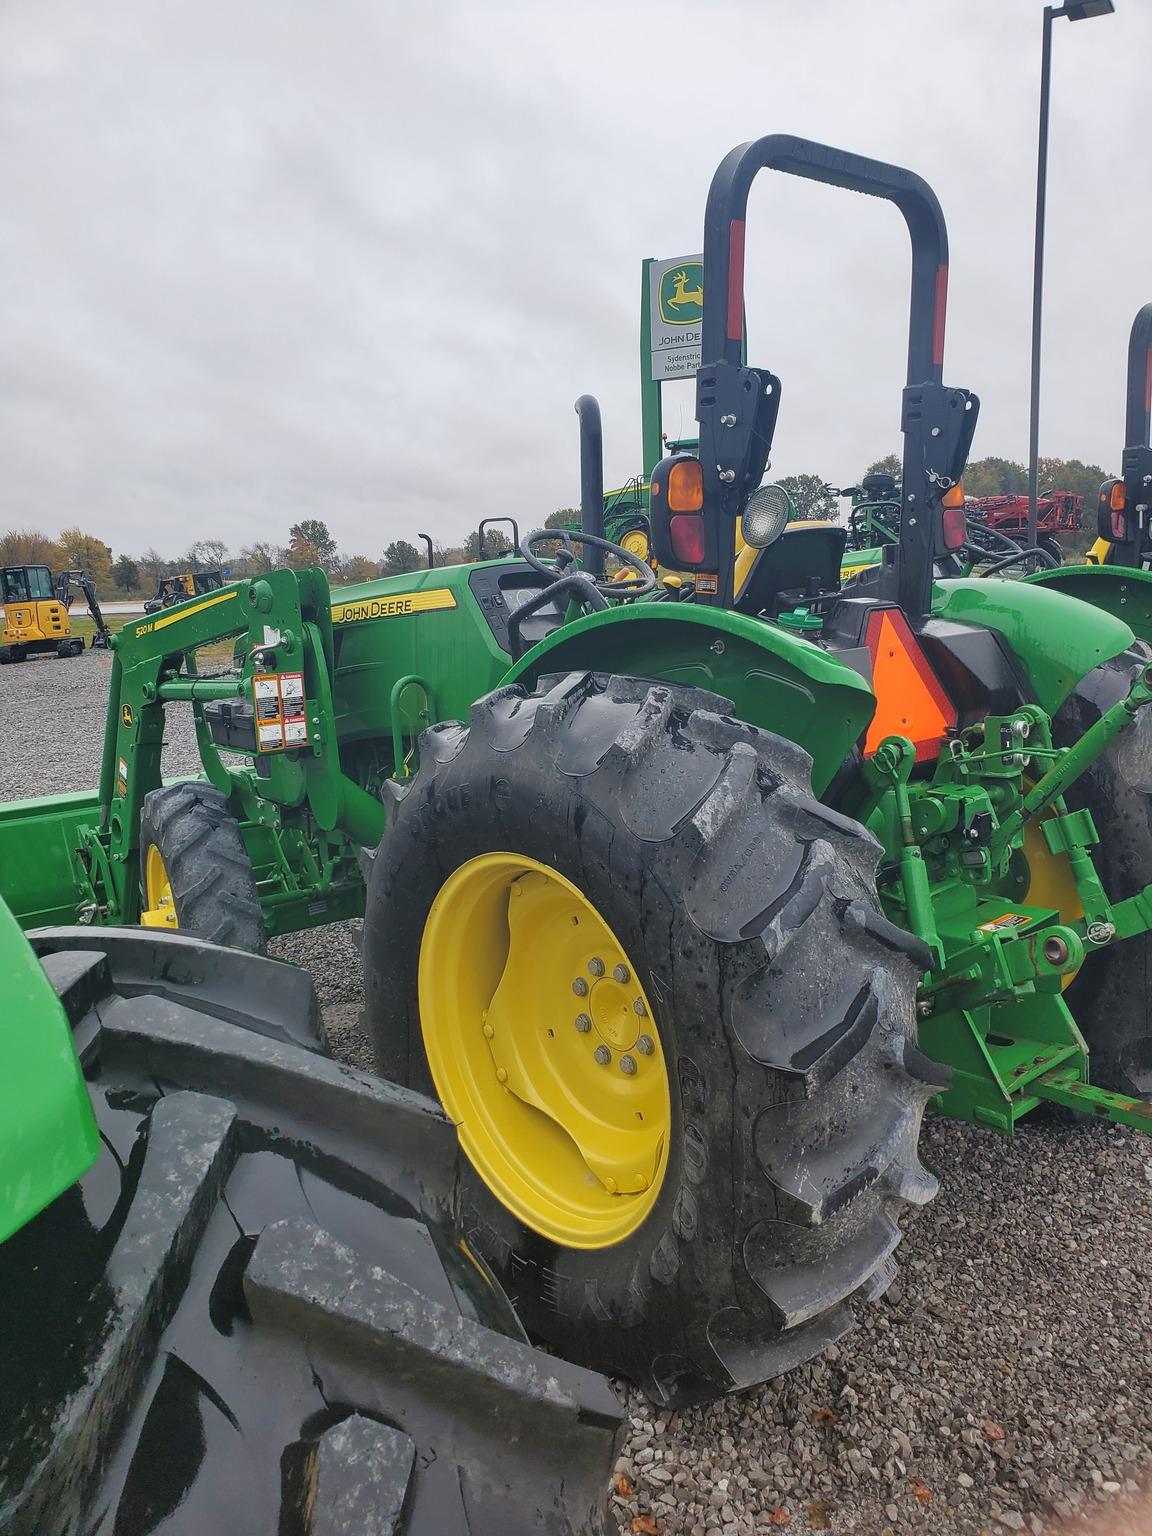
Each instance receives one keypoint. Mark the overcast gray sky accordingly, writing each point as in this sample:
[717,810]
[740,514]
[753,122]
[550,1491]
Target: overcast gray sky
[355,260]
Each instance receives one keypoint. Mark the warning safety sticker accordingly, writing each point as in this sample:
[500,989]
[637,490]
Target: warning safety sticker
[279,702]
[1006,920]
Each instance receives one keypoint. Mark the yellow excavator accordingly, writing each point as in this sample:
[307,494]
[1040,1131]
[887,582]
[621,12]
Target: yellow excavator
[36,613]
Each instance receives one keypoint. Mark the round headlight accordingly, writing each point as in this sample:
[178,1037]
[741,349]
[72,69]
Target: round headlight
[766,516]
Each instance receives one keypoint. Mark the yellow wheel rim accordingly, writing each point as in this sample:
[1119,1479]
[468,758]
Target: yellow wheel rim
[159,908]
[636,543]
[1050,882]
[544,1050]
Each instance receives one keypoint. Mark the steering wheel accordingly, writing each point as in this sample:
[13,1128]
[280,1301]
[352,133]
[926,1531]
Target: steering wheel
[631,586]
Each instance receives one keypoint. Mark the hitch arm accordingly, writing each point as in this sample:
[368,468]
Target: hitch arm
[1080,757]
[888,771]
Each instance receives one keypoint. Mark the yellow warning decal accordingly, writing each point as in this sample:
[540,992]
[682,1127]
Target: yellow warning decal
[1007,920]
[392,604]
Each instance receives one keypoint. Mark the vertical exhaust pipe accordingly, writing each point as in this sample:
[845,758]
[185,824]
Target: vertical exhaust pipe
[591,481]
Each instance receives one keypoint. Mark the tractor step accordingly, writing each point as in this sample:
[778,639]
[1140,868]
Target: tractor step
[1063,1087]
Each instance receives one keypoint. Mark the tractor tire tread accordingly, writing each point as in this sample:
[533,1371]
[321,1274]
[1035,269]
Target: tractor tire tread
[213,883]
[215,1329]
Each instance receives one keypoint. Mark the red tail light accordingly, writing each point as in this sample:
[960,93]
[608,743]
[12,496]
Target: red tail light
[686,533]
[955,527]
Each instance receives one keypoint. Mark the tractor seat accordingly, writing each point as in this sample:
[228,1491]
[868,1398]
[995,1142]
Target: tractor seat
[805,560]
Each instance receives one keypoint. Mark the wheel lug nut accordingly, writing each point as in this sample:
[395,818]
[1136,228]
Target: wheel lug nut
[610,1185]
[644,1045]
[620,972]
[583,1023]
[596,966]
[501,1075]
[603,1055]
[488,1031]
[580,987]
[628,1065]
[639,1008]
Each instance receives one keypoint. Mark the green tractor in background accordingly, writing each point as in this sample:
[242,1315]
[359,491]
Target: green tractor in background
[625,517]
[684,898]
[873,520]
[1118,573]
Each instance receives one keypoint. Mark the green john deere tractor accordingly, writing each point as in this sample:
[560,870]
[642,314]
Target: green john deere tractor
[683,900]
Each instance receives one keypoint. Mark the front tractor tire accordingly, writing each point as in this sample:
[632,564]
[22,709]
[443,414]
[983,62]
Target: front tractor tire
[195,873]
[646,973]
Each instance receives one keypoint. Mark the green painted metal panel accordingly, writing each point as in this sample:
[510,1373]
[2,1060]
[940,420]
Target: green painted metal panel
[1120,590]
[451,645]
[37,840]
[775,680]
[1056,639]
[48,1134]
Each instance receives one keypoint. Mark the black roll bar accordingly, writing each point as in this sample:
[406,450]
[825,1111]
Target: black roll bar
[1138,415]
[736,406]
[723,318]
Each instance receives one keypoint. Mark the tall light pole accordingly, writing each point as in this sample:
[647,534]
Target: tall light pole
[1075,10]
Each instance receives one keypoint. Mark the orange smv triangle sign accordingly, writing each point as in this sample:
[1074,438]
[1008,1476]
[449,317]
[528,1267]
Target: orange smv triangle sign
[909,699]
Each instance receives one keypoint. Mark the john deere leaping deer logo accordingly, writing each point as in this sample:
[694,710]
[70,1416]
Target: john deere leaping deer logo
[682,294]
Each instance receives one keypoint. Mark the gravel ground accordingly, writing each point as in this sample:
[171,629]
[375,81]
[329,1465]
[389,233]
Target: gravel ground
[1003,1382]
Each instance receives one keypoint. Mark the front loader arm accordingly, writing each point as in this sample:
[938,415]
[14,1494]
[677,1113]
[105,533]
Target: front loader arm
[282,623]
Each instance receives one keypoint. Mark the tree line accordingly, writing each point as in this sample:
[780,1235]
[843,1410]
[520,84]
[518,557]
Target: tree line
[813,497]
[310,542]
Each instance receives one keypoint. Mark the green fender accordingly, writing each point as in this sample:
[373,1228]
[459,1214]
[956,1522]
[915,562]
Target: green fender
[774,679]
[1120,590]
[1057,639]
[48,1135]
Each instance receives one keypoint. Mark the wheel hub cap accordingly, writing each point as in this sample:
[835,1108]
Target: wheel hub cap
[543,1049]
[159,908]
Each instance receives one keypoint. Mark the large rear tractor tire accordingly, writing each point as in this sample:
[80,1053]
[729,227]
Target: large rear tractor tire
[195,873]
[646,973]
[252,1314]
[1111,995]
